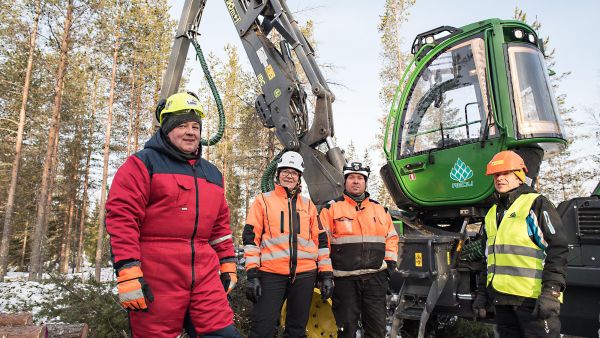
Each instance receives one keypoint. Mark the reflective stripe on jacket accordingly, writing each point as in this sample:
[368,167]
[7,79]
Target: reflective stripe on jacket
[282,235]
[514,261]
[362,236]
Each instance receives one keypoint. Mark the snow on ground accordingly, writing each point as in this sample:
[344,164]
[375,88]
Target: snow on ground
[19,294]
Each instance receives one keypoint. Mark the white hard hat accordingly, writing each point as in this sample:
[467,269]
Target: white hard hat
[291,159]
[356,167]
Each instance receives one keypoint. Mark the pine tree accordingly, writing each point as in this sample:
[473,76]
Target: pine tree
[107,137]
[395,14]
[350,152]
[8,212]
[39,235]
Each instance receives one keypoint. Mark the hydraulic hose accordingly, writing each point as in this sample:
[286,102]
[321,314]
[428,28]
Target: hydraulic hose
[267,182]
[219,134]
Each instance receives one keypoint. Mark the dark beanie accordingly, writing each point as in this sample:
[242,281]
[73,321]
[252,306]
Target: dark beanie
[171,121]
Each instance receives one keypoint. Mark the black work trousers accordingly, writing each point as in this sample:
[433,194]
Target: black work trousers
[275,289]
[360,298]
[517,321]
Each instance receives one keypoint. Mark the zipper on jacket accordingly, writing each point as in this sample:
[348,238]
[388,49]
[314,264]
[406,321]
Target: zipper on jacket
[364,252]
[195,229]
[293,238]
[281,222]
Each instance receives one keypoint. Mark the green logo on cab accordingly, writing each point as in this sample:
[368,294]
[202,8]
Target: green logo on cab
[461,174]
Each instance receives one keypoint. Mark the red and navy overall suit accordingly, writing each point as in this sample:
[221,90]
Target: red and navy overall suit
[170,214]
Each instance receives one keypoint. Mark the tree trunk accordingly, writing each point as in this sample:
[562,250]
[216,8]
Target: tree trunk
[80,237]
[23,331]
[68,330]
[206,127]
[136,124]
[73,185]
[10,202]
[24,250]
[270,147]
[38,235]
[51,179]
[86,180]
[65,245]
[247,192]
[131,105]
[157,85]
[16,319]
[107,149]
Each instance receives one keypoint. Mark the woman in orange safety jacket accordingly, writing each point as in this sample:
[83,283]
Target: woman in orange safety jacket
[286,251]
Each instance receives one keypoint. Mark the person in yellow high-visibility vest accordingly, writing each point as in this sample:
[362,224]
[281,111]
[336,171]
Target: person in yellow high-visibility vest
[526,253]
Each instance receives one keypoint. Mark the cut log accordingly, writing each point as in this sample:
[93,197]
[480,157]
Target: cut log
[67,330]
[23,332]
[16,319]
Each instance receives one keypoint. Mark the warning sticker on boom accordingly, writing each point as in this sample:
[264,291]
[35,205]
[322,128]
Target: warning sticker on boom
[418,259]
[262,56]
[270,72]
[232,11]
[261,80]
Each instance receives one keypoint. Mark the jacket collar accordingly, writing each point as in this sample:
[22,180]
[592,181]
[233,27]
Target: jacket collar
[505,200]
[352,202]
[282,191]
[158,142]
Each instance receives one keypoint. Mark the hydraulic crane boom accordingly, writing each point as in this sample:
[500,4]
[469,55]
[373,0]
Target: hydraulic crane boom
[283,102]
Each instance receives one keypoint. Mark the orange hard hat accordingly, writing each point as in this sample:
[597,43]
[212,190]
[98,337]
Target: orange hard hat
[506,160]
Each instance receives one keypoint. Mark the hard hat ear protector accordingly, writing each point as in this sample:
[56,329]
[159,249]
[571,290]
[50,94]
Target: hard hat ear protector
[163,102]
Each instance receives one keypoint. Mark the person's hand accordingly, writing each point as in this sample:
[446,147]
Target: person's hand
[228,276]
[133,291]
[253,289]
[480,303]
[326,288]
[547,304]
[391,267]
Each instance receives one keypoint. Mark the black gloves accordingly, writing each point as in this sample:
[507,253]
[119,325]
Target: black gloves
[253,290]
[391,267]
[480,303]
[547,304]
[326,287]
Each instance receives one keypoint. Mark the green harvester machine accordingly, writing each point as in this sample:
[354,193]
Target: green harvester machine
[469,93]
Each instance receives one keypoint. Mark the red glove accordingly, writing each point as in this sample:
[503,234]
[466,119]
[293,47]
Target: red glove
[133,291]
[228,276]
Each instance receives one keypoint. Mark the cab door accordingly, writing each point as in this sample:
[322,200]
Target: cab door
[446,134]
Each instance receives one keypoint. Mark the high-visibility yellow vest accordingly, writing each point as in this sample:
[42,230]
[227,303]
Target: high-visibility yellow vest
[514,262]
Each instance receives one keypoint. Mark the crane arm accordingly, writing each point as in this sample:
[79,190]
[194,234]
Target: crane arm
[282,105]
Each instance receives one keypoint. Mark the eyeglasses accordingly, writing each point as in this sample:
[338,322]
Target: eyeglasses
[290,173]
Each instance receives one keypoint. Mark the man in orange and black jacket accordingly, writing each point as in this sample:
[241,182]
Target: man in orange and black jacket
[364,252]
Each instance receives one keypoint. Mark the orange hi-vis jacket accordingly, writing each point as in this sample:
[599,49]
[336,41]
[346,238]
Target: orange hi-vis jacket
[362,236]
[282,235]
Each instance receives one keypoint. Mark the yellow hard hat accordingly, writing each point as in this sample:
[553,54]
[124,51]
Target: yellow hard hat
[179,103]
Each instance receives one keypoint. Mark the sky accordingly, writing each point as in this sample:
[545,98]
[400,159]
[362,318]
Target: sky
[347,37]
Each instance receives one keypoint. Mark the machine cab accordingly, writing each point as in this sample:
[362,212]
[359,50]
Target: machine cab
[469,93]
